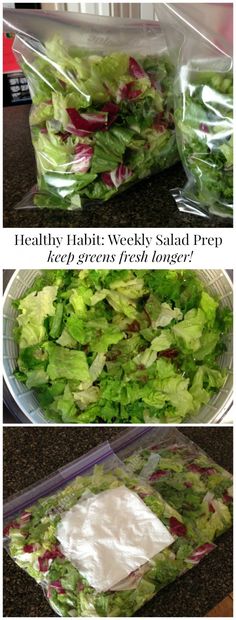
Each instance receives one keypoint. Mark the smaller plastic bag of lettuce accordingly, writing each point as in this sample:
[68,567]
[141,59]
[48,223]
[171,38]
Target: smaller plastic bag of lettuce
[199,40]
[102,92]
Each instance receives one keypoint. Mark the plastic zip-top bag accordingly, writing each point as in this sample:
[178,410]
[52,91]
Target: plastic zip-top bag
[199,38]
[110,566]
[186,477]
[102,92]
[121,556]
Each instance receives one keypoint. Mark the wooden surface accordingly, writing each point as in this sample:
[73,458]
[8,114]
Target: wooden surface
[224,609]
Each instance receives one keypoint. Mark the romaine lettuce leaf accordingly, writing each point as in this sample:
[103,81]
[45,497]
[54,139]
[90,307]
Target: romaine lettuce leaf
[33,310]
[66,363]
[189,331]
[95,333]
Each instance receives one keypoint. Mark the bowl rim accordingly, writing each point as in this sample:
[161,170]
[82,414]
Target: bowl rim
[217,417]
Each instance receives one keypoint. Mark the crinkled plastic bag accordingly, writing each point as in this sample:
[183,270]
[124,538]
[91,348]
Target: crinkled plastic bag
[102,92]
[199,40]
[33,543]
[187,478]
[31,534]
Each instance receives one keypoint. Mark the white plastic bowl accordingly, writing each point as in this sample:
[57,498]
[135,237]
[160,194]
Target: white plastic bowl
[216,282]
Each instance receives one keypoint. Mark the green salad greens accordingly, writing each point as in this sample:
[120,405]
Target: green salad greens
[33,544]
[189,481]
[120,345]
[204,128]
[98,123]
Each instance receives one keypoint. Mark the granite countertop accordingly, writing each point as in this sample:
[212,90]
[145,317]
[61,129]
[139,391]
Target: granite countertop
[33,453]
[148,204]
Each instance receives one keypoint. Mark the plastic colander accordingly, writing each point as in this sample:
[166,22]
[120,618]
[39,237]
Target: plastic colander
[216,281]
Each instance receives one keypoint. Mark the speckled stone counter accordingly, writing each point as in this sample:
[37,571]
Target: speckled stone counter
[148,204]
[33,453]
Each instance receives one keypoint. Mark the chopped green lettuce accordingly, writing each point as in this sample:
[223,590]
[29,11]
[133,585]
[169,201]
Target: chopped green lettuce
[119,107]
[204,131]
[100,334]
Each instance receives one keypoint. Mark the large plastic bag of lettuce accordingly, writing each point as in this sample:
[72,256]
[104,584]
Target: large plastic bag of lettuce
[187,478]
[90,566]
[199,38]
[102,115]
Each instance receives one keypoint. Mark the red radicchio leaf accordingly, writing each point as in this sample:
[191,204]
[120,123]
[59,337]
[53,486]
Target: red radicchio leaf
[64,135]
[43,564]
[133,327]
[62,83]
[160,124]
[43,130]
[169,353]
[211,507]
[78,132]
[88,122]
[208,470]
[204,127]
[82,159]
[156,447]
[50,554]
[25,517]
[113,110]
[29,548]
[158,474]
[134,94]
[200,552]
[9,526]
[56,585]
[188,485]
[80,587]
[127,91]
[135,69]
[116,177]
[55,552]
[106,178]
[177,528]
[194,467]
[227,498]
[143,495]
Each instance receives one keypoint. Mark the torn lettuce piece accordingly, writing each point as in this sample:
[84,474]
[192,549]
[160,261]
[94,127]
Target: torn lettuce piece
[162,342]
[66,363]
[33,310]
[95,329]
[167,314]
[189,331]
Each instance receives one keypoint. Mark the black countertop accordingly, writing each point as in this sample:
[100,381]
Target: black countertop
[33,453]
[148,204]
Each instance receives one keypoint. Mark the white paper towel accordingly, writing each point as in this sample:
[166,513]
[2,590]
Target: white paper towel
[111,534]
